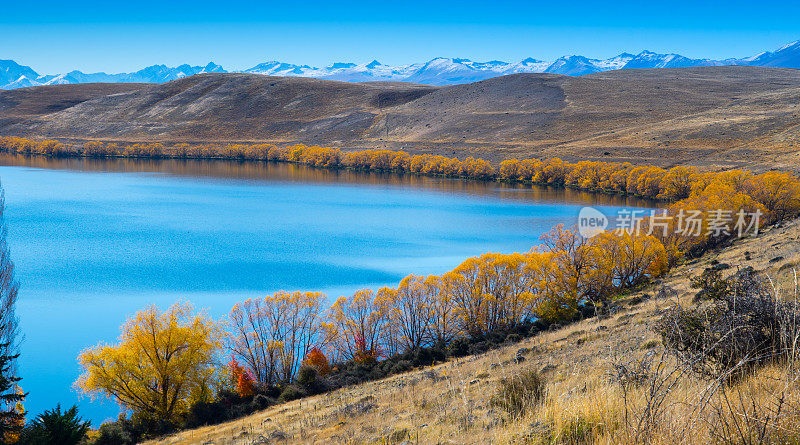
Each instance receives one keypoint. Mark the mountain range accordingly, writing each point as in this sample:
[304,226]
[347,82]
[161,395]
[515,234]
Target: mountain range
[438,71]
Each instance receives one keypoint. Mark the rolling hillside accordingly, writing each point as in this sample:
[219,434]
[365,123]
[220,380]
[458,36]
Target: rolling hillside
[722,116]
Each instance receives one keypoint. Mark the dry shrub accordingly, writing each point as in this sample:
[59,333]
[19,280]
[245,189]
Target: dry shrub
[744,325]
[520,393]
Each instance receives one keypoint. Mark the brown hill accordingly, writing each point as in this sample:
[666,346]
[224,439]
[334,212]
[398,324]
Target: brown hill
[28,103]
[725,116]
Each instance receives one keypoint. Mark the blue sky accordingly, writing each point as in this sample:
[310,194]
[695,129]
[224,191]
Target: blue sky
[55,36]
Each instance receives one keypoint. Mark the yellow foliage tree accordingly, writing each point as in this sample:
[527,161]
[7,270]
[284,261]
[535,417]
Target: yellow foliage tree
[354,325]
[163,362]
[412,311]
[779,192]
[627,259]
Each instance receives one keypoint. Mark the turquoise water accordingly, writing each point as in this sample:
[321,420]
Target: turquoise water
[95,241]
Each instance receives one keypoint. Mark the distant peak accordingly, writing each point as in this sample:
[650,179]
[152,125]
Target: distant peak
[791,45]
[340,65]
[373,64]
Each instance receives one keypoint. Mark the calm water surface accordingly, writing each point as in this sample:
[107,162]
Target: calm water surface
[95,241]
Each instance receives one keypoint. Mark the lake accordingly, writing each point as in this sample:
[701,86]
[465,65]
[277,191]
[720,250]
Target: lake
[96,240]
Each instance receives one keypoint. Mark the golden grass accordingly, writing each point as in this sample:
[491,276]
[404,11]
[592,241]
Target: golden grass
[450,402]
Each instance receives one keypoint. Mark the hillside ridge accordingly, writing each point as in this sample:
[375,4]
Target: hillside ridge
[717,116]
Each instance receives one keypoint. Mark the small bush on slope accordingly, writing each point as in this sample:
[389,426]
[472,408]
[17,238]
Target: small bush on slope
[745,324]
[520,393]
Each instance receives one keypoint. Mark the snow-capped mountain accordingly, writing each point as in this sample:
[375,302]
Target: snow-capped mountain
[442,71]
[648,59]
[529,65]
[614,63]
[438,71]
[13,73]
[574,66]
[787,56]
[347,72]
[163,73]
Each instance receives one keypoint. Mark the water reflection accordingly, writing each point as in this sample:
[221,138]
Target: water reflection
[274,171]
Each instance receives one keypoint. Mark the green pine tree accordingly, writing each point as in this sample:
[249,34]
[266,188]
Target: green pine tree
[56,427]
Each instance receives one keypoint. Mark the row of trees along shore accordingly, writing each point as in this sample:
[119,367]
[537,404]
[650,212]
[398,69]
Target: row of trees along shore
[677,183]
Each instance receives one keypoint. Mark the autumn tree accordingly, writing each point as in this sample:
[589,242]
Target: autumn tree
[779,192]
[677,183]
[271,335]
[241,378]
[353,326]
[390,339]
[412,312]
[626,259]
[443,325]
[571,259]
[546,300]
[316,359]
[462,286]
[513,290]
[164,361]
[693,226]
[552,172]
[645,181]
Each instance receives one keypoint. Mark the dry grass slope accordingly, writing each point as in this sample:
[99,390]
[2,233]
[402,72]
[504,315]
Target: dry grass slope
[450,403]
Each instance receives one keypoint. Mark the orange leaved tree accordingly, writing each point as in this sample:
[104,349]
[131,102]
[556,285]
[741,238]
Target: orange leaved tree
[163,362]
[316,359]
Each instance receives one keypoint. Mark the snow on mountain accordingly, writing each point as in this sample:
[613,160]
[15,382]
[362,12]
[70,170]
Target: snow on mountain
[11,72]
[573,66]
[529,65]
[787,56]
[614,63]
[163,73]
[444,71]
[372,71]
[21,82]
[23,76]
[438,71]
[649,59]
[77,77]
[275,68]
[579,65]
[348,72]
